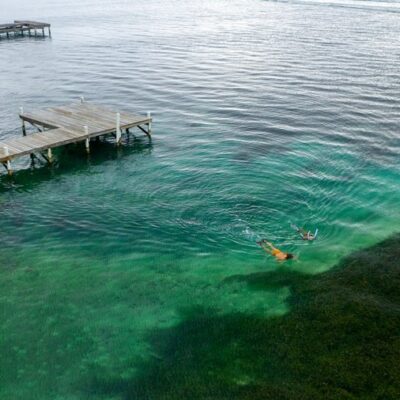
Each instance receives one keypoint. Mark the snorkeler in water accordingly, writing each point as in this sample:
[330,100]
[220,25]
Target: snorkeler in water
[270,249]
[305,235]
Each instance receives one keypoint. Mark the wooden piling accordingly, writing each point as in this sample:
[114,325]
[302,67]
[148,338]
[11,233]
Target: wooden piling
[59,126]
[7,163]
[18,28]
[149,123]
[49,155]
[118,129]
[21,111]
[87,140]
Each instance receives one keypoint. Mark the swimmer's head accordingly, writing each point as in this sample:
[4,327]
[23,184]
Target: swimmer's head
[289,256]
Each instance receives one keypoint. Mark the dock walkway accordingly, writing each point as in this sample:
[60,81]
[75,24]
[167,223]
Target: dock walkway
[19,27]
[58,126]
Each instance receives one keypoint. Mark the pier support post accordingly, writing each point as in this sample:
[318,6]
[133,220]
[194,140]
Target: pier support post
[43,31]
[49,155]
[7,164]
[87,145]
[21,112]
[87,140]
[149,123]
[118,129]
[49,32]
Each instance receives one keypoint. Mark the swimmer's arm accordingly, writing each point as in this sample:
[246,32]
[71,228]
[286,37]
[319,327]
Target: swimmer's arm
[266,249]
[300,231]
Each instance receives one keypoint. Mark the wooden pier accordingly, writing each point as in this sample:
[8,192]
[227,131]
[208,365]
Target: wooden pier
[58,126]
[20,27]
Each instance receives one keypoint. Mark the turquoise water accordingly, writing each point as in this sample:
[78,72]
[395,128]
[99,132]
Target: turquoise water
[265,113]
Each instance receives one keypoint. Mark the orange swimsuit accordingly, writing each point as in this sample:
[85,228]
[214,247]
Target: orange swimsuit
[278,254]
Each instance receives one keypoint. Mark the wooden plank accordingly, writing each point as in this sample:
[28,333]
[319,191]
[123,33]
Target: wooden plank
[11,148]
[64,117]
[67,126]
[94,123]
[33,24]
[129,118]
[22,26]
[13,152]
[18,145]
[77,115]
[87,115]
[36,142]
[61,121]
[38,119]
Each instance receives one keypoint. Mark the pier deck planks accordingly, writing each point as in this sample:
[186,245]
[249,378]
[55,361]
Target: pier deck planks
[66,125]
[19,27]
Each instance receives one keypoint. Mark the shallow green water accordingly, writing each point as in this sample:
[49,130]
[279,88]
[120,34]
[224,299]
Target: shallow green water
[257,123]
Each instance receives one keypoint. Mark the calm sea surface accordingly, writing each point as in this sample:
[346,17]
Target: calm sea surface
[265,113]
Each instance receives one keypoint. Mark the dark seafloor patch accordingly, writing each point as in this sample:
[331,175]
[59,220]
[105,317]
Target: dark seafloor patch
[340,340]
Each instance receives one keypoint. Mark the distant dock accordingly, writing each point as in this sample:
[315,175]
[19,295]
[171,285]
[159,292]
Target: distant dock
[19,28]
[59,126]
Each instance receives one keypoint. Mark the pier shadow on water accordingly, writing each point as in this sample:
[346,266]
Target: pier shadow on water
[339,341]
[73,159]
